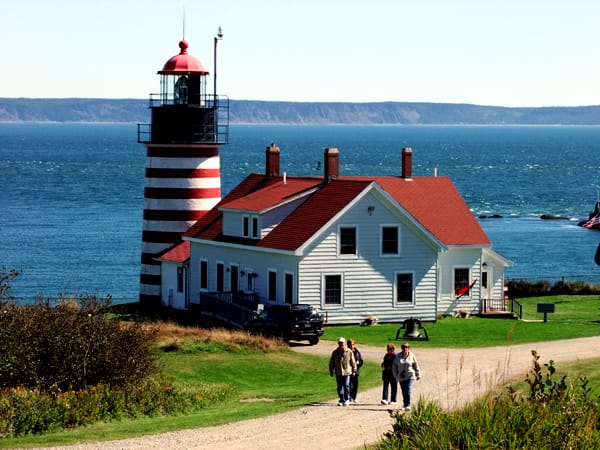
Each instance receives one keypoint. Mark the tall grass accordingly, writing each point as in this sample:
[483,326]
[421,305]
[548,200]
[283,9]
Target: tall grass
[554,412]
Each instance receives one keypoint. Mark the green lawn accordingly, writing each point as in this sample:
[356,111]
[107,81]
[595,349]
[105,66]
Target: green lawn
[574,317]
[267,383]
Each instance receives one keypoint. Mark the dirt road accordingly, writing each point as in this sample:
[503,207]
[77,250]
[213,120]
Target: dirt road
[451,377]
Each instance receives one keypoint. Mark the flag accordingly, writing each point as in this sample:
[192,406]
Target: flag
[465,290]
[594,221]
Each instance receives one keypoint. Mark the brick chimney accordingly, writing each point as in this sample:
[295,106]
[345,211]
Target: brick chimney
[332,163]
[272,161]
[407,163]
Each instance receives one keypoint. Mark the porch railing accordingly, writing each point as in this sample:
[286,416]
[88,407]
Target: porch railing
[495,305]
[230,307]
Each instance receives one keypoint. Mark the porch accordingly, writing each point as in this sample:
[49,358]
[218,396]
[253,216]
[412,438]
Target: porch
[501,308]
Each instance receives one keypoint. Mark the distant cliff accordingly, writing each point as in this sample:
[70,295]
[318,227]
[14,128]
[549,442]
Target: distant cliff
[275,112]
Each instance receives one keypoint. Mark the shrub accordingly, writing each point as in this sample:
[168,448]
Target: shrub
[24,411]
[72,346]
[524,288]
[553,414]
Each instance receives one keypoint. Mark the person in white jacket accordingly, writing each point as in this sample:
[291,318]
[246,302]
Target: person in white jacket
[406,369]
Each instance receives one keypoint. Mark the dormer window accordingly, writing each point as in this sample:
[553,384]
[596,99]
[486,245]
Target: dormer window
[245,231]
[250,227]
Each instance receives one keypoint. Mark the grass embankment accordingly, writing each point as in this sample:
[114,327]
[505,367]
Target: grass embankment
[268,377]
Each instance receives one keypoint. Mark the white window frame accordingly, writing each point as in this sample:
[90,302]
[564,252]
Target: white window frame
[285,287]
[274,273]
[469,276]
[339,242]
[254,227]
[400,304]
[234,288]
[245,225]
[324,304]
[389,255]
[203,278]
[224,270]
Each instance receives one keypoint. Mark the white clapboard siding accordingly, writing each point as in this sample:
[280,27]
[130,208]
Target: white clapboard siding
[368,280]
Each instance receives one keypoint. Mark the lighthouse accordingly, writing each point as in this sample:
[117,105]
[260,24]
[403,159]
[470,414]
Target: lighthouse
[182,179]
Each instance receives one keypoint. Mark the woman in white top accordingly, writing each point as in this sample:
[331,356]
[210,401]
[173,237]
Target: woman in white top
[406,369]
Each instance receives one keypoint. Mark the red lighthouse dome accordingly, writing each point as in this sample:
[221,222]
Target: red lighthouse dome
[183,63]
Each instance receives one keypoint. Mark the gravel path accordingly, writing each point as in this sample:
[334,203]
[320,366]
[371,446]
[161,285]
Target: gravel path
[450,376]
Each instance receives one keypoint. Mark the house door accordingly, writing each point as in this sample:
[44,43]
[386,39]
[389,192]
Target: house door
[486,288]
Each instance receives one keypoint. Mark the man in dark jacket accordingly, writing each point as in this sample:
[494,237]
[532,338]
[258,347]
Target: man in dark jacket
[343,365]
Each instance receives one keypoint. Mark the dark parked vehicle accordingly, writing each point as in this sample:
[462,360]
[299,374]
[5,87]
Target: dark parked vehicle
[290,322]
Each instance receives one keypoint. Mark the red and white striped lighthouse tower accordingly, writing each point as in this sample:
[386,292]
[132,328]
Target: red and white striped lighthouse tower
[183,179]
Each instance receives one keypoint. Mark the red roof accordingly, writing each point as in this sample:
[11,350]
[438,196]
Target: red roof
[434,202]
[179,254]
[438,206]
[183,63]
[274,194]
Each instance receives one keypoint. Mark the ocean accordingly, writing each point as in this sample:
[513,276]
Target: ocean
[71,195]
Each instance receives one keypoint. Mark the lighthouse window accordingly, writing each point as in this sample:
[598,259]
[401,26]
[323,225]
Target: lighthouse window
[181,90]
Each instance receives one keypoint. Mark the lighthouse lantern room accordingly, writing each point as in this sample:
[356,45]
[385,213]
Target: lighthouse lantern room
[182,179]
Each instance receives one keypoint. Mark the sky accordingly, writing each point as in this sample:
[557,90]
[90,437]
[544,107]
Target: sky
[485,52]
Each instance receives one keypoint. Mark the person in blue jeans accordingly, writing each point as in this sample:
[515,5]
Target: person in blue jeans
[354,380]
[406,369]
[343,365]
[387,376]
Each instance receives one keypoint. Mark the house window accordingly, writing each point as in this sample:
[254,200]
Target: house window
[272,285]
[333,289]
[389,240]
[289,288]
[249,281]
[404,288]
[461,278]
[347,241]
[255,227]
[204,274]
[484,280]
[234,278]
[245,231]
[180,272]
[220,277]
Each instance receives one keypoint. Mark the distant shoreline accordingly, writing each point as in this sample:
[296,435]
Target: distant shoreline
[258,112]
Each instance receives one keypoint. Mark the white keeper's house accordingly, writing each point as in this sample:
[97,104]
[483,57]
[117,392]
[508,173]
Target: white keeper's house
[393,247]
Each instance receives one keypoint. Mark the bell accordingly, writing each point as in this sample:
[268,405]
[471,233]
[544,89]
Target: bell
[412,328]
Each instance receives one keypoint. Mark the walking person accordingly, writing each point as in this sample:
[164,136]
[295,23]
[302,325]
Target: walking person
[406,369]
[387,376]
[343,365]
[354,378]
